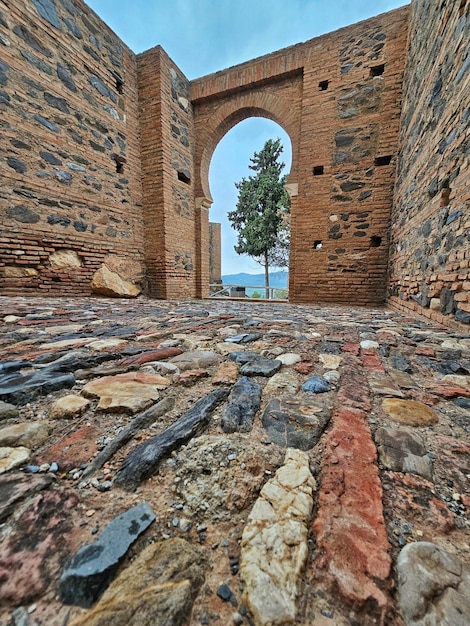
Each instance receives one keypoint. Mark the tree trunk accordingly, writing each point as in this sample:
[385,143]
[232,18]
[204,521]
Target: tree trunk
[266,274]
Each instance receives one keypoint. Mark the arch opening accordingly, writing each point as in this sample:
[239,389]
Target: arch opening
[231,150]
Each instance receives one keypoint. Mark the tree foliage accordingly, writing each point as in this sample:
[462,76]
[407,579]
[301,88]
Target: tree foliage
[262,211]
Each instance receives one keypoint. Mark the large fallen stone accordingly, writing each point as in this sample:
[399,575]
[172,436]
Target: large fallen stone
[157,589]
[91,569]
[401,450]
[433,586]
[242,406]
[32,553]
[274,543]
[108,283]
[295,424]
[143,461]
[132,391]
[409,412]
[15,487]
[27,434]
[11,458]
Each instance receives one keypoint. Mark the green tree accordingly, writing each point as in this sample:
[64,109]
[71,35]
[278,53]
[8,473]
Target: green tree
[262,211]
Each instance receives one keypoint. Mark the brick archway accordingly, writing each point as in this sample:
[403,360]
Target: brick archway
[280,102]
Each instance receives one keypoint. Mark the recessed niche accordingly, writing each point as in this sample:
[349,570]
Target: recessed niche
[377,70]
[317,244]
[119,160]
[318,170]
[375,241]
[119,82]
[183,177]
[383,160]
[323,85]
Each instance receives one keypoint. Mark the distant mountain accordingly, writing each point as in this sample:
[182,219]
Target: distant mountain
[279,280]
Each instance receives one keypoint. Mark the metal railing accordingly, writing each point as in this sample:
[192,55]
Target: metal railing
[239,291]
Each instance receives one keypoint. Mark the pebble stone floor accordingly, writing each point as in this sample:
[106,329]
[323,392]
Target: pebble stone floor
[310,464]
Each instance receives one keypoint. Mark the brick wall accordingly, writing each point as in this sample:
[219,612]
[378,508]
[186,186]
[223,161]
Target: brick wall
[430,251]
[215,253]
[167,176]
[69,149]
[338,97]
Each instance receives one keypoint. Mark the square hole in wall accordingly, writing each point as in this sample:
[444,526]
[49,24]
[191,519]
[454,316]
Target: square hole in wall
[184,177]
[119,160]
[377,70]
[318,170]
[383,160]
[323,85]
[118,81]
[375,241]
[317,244]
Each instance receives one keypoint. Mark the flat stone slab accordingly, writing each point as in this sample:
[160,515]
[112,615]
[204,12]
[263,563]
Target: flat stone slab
[15,487]
[11,458]
[242,406]
[197,359]
[132,391]
[92,568]
[274,542]
[294,424]
[401,450]
[409,412]
[433,586]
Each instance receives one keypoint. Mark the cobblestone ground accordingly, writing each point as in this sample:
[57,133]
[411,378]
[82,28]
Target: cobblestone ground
[301,464]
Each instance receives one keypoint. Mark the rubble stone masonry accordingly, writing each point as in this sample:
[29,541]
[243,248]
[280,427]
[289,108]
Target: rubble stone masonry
[430,251]
[105,155]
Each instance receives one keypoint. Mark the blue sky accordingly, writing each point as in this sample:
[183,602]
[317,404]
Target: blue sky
[204,36]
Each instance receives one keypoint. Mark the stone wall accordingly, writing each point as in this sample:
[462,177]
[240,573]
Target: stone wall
[430,251]
[338,97]
[70,191]
[215,253]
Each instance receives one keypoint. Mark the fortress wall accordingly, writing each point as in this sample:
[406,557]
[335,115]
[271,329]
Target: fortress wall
[69,149]
[430,251]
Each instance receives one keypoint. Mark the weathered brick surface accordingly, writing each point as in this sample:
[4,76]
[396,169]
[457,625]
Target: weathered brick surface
[430,251]
[69,121]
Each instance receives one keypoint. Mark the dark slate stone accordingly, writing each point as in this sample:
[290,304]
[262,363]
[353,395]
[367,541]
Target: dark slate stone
[364,195]
[111,231]
[330,347]
[244,357]
[57,103]
[80,227]
[92,53]
[73,28]
[16,165]
[46,123]
[50,158]
[69,6]
[21,145]
[448,305]
[462,316]
[2,21]
[463,403]
[243,338]
[351,185]
[47,10]
[315,384]
[144,460]
[343,140]
[401,450]
[92,568]
[22,214]
[102,88]
[20,389]
[292,424]
[400,363]
[59,219]
[24,34]
[64,177]
[7,412]
[4,97]
[75,167]
[345,69]
[453,216]
[97,146]
[38,63]
[242,406]
[16,487]
[463,70]
[224,592]
[66,77]
[261,367]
